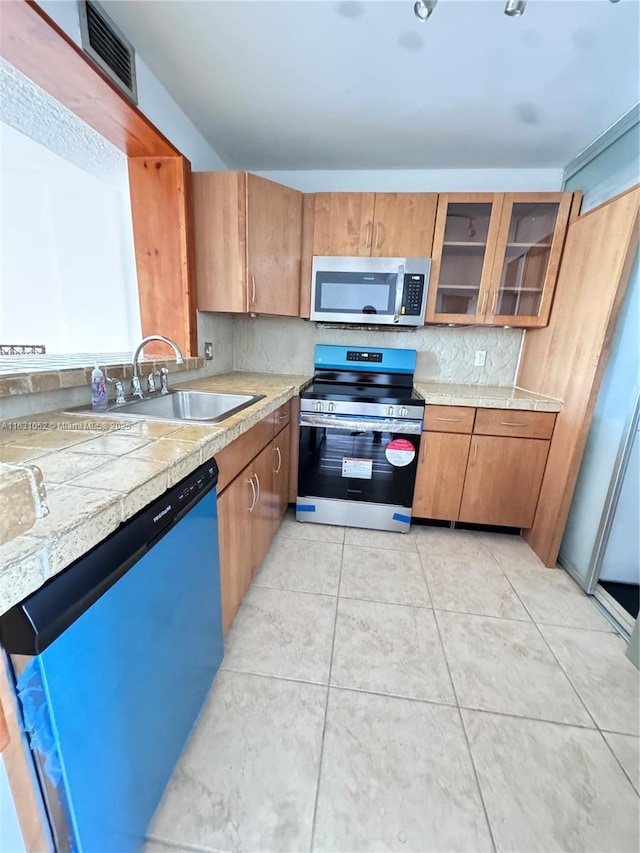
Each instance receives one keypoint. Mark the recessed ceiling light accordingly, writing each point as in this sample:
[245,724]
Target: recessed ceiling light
[423,9]
[515,8]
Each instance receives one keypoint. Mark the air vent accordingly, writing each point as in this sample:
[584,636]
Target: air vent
[108,47]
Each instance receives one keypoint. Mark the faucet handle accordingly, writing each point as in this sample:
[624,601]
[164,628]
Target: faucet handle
[119,388]
[136,388]
[164,380]
[151,381]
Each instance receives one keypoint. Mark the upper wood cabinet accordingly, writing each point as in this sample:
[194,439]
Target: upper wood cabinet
[374,224]
[248,244]
[496,257]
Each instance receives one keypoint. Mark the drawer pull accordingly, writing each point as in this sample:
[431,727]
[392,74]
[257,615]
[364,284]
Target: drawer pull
[475,454]
[283,417]
[453,420]
[253,490]
[277,470]
[513,423]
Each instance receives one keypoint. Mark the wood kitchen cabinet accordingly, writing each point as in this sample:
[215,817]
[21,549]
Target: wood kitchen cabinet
[247,244]
[441,473]
[251,503]
[374,224]
[482,466]
[503,480]
[496,257]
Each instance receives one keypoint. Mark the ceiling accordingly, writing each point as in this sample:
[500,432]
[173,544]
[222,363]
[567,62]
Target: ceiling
[299,84]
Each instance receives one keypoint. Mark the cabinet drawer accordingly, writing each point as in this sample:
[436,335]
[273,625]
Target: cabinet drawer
[237,455]
[449,418]
[515,423]
[281,417]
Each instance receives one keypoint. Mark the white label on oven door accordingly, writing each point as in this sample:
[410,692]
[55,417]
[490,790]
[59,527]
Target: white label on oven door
[400,452]
[357,469]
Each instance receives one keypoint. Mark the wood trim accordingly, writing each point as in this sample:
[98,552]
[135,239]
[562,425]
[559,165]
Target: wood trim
[295,447]
[160,208]
[306,261]
[21,773]
[576,204]
[609,201]
[40,49]
[567,359]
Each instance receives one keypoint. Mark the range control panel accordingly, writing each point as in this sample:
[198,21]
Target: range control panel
[364,356]
[413,294]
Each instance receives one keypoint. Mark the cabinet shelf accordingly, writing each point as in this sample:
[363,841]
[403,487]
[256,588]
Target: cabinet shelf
[465,243]
[459,287]
[520,290]
[528,245]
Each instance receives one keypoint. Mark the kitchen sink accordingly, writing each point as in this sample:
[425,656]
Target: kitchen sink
[179,405]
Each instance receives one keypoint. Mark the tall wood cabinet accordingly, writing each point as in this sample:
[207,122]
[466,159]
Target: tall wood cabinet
[248,244]
[496,257]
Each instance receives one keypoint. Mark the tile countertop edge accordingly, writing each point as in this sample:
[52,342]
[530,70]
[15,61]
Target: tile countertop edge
[486,397]
[21,574]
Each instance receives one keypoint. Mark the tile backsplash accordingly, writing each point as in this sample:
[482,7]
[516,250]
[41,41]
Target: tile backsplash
[445,354]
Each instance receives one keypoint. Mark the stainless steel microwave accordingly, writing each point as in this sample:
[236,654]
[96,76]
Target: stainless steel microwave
[371,291]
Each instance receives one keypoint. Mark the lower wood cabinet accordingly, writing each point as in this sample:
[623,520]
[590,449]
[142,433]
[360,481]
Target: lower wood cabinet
[487,469]
[440,478]
[250,508]
[503,480]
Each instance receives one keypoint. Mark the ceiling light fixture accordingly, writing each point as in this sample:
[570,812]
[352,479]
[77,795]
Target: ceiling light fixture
[515,8]
[423,9]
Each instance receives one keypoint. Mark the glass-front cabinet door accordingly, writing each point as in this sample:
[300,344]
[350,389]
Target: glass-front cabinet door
[466,232]
[529,246]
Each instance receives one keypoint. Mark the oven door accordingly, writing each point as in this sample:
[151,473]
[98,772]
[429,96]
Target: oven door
[357,290]
[357,471]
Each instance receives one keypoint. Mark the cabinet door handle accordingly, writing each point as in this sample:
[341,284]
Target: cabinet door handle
[513,423]
[277,470]
[475,455]
[284,417]
[253,491]
[369,235]
[253,289]
[379,235]
[453,420]
[258,485]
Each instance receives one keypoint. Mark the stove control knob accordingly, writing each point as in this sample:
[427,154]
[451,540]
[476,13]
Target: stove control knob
[403,412]
[319,407]
[390,411]
[331,407]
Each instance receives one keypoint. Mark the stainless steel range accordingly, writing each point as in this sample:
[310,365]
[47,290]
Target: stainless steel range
[360,429]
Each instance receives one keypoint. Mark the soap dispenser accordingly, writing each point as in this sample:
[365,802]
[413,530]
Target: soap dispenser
[98,390]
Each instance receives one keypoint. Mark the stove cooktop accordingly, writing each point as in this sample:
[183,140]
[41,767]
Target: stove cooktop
[349,392]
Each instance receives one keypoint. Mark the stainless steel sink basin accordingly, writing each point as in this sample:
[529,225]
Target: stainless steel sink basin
[180,405]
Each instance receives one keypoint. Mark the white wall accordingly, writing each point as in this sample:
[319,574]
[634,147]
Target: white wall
[422,180]
[153,99]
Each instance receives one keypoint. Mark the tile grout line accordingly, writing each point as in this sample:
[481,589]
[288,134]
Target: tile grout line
[612,751]
[464,731]
[326,707]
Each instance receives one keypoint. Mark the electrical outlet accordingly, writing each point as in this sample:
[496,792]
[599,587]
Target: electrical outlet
[208,350]
[481,357]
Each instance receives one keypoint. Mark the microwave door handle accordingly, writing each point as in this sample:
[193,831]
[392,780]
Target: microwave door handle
[399,294]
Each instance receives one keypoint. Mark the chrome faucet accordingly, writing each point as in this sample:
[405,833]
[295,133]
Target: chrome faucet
[136,388]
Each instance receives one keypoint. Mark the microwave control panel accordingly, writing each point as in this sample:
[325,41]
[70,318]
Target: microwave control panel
[413,294]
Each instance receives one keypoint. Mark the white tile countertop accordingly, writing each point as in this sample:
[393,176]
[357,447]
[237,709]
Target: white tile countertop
[100,471]
[486,397]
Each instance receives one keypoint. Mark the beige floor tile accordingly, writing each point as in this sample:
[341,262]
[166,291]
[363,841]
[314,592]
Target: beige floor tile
[506,666]
[247,779]
[627,750]
[376,575]
[605,678]
[381,539]
[396,775]
[508,550]
[389,648]
[449,543]
[553,598]
[63,466]
[302,565]
[551,788]
[282,633]
[471,585]
[292,529]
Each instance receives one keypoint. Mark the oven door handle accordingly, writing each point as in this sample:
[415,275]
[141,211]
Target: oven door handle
[403,427]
